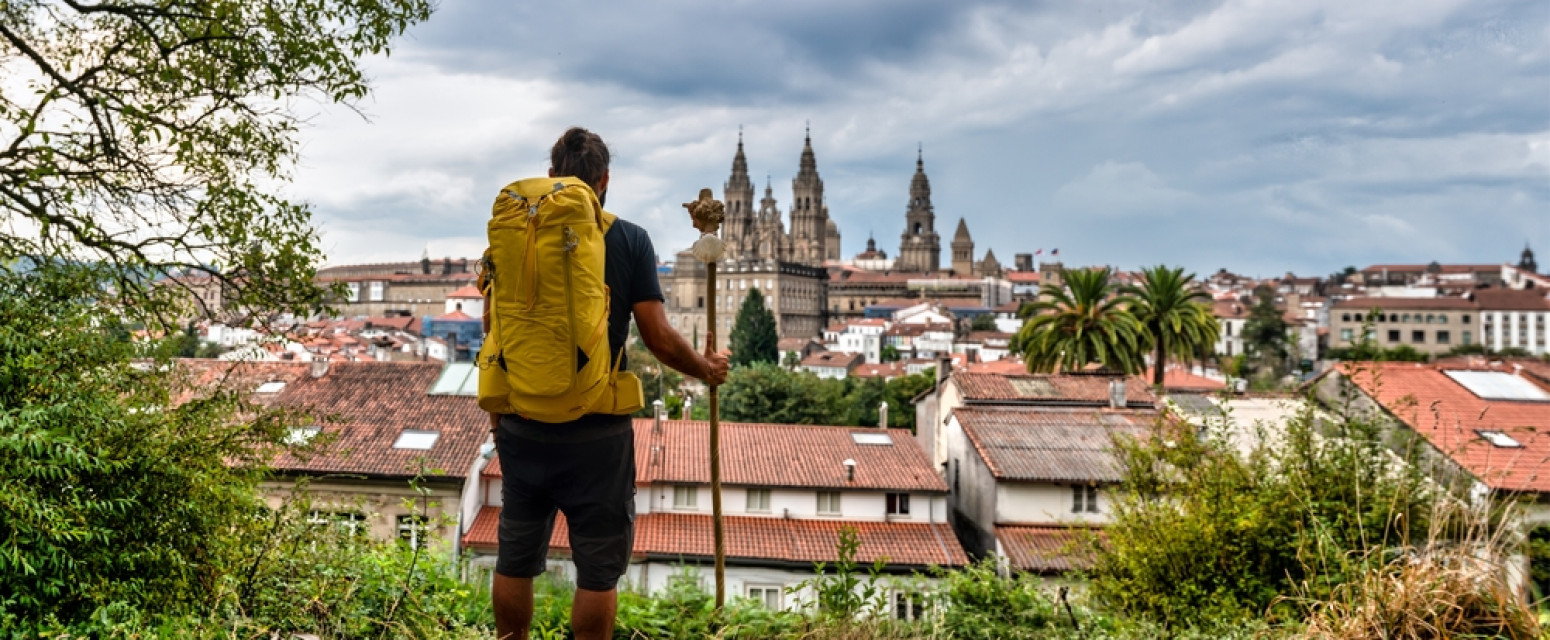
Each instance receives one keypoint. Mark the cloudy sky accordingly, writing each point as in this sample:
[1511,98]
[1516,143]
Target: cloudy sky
[1263,136]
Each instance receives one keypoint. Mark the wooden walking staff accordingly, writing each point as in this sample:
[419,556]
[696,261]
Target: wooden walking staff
[707,213]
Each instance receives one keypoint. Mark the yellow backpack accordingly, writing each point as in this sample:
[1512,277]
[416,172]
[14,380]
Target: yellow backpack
[546,357]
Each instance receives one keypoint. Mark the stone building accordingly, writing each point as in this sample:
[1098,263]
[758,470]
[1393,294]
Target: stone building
[920,248]
[397,288]
[786,267]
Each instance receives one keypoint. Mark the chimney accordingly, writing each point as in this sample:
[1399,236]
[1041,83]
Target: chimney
[1117,393]
[657,411]
[944,368]
[319,366]
[688,406]
[451,347]
[446,266]
[882,415]
[850,470]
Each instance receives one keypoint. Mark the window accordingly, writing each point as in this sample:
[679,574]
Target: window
[701,303]
[1442,318]
[1418,337]
[1443,337]
[1345,317]
[1499,439]
[411,529]
[685,496]
[353,524]
[355,292]
[828,503]
[1084,499]
[1347,334]
[957,488]
[1467,338]
[766,595]
[1393,335]
[898,504]
[1465,319]
[758,500]
[376,292]
[908,605]
[416,439]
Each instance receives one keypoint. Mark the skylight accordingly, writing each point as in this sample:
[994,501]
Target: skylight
[1498,385]
[457,379]
[273,386]
[1500,439]
[862,437]
[302,435]
[416,439]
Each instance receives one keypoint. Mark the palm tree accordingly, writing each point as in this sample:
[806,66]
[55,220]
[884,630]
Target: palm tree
[1083,322]
[1175,316]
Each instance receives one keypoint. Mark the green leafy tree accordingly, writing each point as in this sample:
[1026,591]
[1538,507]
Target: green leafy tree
[1264,334]
[151,138]
[983,322]
[1084,322]
[753,334]
[889,353]
[1175,315]
[763,392]
[110,493]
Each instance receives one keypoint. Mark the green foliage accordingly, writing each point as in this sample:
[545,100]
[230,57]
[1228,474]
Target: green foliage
[766,393]
[983,322]
[153,138]
[1081,323]
[110,494]
[1264,335]
[656,380]
[978,602]
[1175,315]
[1239,531]
[846,593]
[889,353]
[753,334]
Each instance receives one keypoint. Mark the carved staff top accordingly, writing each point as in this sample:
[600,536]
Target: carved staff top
[707,212]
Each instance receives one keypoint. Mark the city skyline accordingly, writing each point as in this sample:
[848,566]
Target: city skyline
[1123,134]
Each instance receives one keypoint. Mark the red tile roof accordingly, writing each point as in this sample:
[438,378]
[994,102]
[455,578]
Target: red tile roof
[1050,444]
[1048,389]
[1023,277]
[1448,415]
[1230,309]
[1177,379]
[374,402]
[1004,366]
[469,291]
[885,370]
[781,455]
[455,316]
[1045,549]
[689,536]
[833,359]
[1512,300]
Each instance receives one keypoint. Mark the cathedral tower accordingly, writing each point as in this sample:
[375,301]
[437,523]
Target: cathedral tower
[810,230]
[920,248]
[963,249]
[739,234]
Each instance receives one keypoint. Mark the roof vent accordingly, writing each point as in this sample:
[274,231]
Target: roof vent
[850,470]
[319,366]
[882,415]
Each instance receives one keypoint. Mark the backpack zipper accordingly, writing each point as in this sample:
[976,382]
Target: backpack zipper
[571,241]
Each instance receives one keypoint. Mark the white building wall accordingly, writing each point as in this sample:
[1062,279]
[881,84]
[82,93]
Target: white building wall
[1044,503]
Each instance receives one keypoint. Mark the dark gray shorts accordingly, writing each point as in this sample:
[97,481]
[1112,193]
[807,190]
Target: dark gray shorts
[586,472]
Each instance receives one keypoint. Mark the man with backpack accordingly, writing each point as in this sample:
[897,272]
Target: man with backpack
[561,272]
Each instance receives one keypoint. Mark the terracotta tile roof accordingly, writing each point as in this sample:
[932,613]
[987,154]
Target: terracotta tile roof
[1049,389]
[689,536]
[1230,309]
[1177,379]
[1050,444]
[1365,304]
[781,455]
[1448,415]
[455,316]
[374,403]
[1512,300]
[833,359]
[1445,268]
[1004,366]
[205,375]
[989,336]
[1044,549]
[1010,307]
[410,324]
[1023,277]
[885,370]
[469,291]
[794,344]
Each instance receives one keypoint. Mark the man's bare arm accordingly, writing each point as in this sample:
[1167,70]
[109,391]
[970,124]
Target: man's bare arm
[669,347]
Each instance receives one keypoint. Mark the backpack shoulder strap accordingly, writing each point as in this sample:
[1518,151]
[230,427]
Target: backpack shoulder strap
[606,220]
